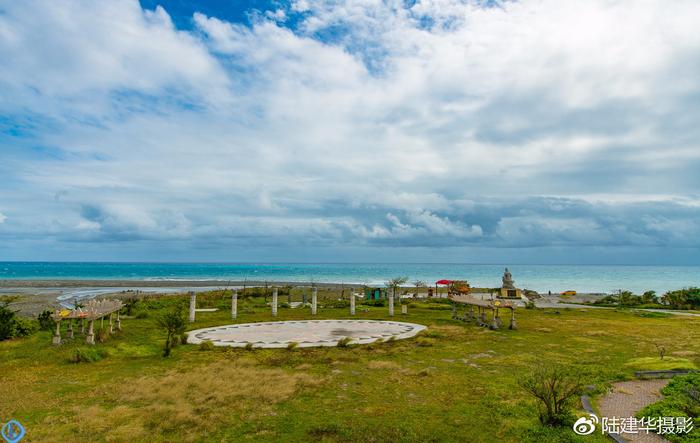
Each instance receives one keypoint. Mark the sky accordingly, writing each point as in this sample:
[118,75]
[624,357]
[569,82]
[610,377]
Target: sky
[531,131]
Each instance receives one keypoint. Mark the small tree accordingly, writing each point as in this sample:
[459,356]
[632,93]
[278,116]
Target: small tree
[173,322]
[649,297]
[395,283]
[555,388]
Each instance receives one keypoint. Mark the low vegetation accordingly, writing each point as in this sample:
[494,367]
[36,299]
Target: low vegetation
[681,399]
[455,382]
[557,389]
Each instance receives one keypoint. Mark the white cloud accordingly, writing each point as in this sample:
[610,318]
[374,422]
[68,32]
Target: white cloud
[448,116]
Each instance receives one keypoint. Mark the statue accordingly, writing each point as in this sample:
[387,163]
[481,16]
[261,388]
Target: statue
[508,282]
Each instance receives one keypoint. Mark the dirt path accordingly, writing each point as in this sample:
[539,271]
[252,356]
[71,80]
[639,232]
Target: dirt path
[627,398]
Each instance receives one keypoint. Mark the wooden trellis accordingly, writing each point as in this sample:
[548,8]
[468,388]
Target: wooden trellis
[93,310]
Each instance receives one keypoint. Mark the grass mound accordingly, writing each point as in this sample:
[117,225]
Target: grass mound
[657,364]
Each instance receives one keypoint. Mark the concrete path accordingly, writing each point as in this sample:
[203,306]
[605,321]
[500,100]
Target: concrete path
[629,397]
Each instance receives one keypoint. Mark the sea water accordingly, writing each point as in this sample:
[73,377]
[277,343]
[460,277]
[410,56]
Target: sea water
[543,278]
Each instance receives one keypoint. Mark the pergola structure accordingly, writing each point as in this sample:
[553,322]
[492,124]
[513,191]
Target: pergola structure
[93,310]
[482,307]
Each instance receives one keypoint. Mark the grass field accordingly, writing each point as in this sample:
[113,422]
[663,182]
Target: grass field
[456,382]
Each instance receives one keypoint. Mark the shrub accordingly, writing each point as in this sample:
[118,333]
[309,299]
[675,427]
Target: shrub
[339,304]
[249,346]
[681,398]
[173,322]
[431,334]
[344,342]
[102,335]
[688,298]
[530,305]
[377,303]
[141,315]
[206,345]
[285,305]
[10,325]
[87,355]
[128,305]
[556,388]
[425,342]
[46,322]
[292,345]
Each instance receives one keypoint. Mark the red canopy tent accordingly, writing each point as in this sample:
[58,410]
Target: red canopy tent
[441,282]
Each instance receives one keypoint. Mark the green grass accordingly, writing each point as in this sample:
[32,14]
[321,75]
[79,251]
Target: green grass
[659,364]
[456,382]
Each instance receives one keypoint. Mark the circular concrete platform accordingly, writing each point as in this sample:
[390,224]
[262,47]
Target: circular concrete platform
[306,333]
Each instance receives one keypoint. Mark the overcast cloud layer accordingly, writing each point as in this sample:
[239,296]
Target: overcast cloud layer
[542,129]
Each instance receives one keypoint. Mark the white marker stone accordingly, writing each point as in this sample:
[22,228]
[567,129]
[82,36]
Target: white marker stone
[193,305]
[274,302]
[391,303]
[314,300]
[234,304]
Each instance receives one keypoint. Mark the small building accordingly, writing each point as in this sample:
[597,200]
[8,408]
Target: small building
[374,293]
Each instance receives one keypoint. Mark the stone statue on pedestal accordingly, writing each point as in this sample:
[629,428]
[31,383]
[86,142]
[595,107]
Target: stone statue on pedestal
[508,282]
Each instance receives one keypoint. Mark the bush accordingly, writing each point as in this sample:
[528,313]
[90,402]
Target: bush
[46,322]
[173,322]
[688,298]
[681,399]
[129,305]
[377,303]
[285,305]
[102,335]
[339,304]
[141,315]
[206,345]
[292,345]
[425,342]
[556,388]
[248,346]
[344,342]
[87,355]
[10,325]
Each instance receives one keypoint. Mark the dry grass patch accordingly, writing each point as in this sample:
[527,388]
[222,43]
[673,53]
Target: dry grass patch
[382,364]
[186,403]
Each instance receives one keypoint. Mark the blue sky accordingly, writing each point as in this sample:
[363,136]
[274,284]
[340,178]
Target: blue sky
[311,130]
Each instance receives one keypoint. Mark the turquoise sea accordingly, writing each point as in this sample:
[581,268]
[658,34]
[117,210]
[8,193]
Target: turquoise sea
[555,278]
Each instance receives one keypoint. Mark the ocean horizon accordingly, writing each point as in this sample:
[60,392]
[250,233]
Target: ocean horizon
[542,278]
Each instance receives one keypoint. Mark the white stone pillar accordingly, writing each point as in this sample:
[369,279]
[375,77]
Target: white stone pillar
[391,303]
[193,305]
[404,309]
[111,325]
[352,302]
[119,322]
[274,302]
[70,329]
[234,304]
[314,300]
[90,337]
[57,334]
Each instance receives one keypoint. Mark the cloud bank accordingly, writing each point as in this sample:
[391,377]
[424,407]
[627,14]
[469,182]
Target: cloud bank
[345,125]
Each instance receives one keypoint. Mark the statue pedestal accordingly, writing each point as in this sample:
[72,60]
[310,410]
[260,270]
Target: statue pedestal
[510,293]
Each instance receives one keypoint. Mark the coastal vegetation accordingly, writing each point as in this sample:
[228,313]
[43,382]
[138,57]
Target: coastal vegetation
[454,382]
[681,399]
[686,298]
